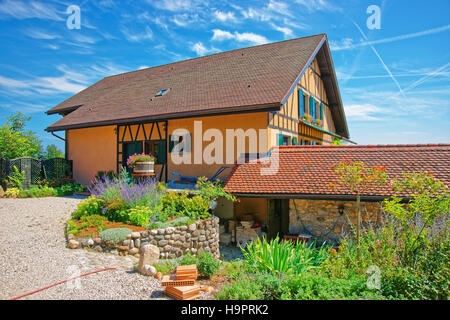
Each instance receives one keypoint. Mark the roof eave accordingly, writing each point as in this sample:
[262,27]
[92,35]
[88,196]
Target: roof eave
[203,113]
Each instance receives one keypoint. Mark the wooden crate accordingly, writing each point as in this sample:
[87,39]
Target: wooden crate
[173,281]
[183,293]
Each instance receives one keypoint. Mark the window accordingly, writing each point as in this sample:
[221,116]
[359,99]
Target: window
[162,92]
[157,149]
[284,140]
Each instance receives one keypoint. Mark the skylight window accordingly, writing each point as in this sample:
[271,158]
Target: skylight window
[162,92]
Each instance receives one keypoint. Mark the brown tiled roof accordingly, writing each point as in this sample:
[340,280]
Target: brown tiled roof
[254,77]
[308,170]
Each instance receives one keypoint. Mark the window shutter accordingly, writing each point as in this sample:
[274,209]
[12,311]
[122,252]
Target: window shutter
[280,139]
[312,107]
[294,141]
[161,156]
[171,143]
[301,107]
[321,111]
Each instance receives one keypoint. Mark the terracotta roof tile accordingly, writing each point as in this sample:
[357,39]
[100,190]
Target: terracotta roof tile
[308,170]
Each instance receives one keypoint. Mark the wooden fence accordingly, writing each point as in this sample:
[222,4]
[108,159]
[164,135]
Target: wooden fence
[35,170]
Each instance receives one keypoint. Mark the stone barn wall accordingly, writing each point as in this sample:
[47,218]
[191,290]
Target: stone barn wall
[321,218]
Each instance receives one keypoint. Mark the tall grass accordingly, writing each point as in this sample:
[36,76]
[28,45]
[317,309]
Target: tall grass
[283,257]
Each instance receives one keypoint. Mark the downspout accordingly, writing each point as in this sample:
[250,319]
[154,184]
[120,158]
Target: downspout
[66,153]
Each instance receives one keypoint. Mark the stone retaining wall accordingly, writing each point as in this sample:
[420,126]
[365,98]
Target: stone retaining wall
[172,241]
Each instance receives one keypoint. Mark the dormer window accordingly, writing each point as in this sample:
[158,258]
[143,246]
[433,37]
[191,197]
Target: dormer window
[162,92]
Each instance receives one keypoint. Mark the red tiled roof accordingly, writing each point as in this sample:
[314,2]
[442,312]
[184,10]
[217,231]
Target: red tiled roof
[254,77]
[308,170]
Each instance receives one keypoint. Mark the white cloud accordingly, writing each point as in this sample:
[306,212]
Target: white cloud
[286,31]
[175,5]
[42,35]
[220,35]
[83,38]
[362,112]
[29,9]
[318,5]
[201,50]
[137,37]
[224,16]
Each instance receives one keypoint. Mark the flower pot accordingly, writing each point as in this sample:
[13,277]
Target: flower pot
[144,167]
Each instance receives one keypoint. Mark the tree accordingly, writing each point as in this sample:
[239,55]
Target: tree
[357,177]
[17,142]
[52,151]
[428,204]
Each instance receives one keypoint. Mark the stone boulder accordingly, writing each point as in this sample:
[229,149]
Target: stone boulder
[149,255]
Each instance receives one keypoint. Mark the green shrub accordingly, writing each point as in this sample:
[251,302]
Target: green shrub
[88,207]
[36,192]
[93,221]
[166,266]
[207,265]
[243,289]
[181,221]
[139,216]
[12,193]
[188,259]
[16,178]
[235,269]
[115,235]
[116,211]
[158,225]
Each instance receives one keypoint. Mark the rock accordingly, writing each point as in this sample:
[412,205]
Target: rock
[162,243]
[2,193]
[98,248]
[135,235]
[129,236]
[170,230]
[97,241]
[192,227]
[183,228]
[202,238]
[90,242]
[160,231]
[73,244]
[149,255]
[137,243]
[122,248]
[133,251]
[144,234]
[70,236]
[148,270]
[158,275]
[153,232]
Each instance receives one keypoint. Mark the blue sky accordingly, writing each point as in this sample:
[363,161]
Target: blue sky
[394,81]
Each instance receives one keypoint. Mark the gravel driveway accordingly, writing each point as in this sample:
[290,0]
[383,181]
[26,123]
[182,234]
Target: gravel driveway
[33,255]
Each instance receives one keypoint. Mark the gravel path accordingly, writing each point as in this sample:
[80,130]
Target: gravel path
[33,255]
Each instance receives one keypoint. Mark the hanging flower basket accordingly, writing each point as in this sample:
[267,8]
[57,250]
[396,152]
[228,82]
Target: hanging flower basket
[142,163]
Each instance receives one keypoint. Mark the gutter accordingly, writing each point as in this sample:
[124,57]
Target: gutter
[311,196]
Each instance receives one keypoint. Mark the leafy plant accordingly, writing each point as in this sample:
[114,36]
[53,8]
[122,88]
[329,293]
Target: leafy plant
[140,215]
[212,190]
[16,178]
[244,289]
[115,235]
[207,265]
[283,257]
[12,193]
[89,206]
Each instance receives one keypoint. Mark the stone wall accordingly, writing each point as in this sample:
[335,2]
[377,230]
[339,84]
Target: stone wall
[321,218]
[172,241]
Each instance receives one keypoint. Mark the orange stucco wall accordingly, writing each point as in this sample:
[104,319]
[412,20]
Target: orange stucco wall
[242,121]
[92,150]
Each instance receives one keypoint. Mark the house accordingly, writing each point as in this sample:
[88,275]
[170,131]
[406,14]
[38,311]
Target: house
[299,197]
[260,92]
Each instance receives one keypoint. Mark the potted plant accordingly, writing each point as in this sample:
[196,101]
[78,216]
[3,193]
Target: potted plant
[141,163]
[318,122]
[307,117]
